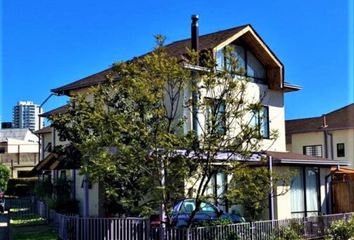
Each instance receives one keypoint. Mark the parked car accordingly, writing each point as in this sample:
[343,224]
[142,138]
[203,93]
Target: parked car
[183,209]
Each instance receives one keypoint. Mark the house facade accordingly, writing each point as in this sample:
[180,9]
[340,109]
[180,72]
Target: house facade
[307,194]
[329,136]
[18,150]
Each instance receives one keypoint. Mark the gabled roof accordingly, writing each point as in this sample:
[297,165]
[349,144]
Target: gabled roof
[58,110]
[342,118]
[23,134]
[44,130]
[211,41]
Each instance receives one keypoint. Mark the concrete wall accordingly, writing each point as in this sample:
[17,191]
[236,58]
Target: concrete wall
[19,146]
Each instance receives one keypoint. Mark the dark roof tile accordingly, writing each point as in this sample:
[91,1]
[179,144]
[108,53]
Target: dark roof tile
[342,118]
[59,110]
[176,49]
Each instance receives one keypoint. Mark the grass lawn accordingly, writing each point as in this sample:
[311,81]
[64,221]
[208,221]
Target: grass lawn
[39,232]
[29,226]
[31,219]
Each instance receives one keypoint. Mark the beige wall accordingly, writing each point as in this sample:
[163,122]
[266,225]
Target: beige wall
[345,136]
[255,93]
[94,204]
[282,203]
[15,146]
[306,139]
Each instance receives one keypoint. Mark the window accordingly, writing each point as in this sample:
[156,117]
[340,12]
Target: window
[63,174]
[312,150]
[207,207]
[304,192]
[48,148]
[340,150]
[217,188]
[261,122]
[216,119]
[2,149]
[248,64]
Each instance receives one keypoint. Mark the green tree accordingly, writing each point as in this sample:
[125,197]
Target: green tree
[4,177]
[131,132]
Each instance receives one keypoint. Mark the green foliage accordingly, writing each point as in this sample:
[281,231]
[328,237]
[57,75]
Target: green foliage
[43,189]
[128,130]
[21,187]
[217,222]
[34,232]
[250,187]
[4,177]
[291,232]
[341,230]
[232,236]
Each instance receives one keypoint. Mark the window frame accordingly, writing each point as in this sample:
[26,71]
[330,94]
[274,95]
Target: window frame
[221,63]
[303,173]
[340,151]
[213,108]
[262,122]
[313,150]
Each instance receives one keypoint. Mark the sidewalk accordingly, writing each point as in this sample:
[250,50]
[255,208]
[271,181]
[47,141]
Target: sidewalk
[4,228]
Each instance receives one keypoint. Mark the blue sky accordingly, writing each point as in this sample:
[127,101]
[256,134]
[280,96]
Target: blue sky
[46,44]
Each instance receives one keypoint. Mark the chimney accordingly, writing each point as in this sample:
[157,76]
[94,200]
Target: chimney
[195,33]
[195,47]
[324,121]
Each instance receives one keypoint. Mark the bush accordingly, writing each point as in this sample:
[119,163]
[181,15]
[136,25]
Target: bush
[4,177]
[21,187]
[63,206]
[43,189]
[341,230]
[287,232]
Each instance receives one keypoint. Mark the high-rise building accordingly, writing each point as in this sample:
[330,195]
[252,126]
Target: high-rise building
[25,115]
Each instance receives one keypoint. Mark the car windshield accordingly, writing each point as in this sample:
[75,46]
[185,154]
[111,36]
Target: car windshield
[206,207]
[188,206]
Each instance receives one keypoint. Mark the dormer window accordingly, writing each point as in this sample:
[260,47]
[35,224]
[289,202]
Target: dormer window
[248,64]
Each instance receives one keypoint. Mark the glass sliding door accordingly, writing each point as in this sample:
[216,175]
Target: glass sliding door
[305,192]
[297,194]
[312,193]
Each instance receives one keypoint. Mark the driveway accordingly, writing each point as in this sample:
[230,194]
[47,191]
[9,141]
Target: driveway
[4,228]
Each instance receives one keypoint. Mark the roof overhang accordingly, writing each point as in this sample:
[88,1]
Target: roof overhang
[275,69]
[288,87]
[314,162]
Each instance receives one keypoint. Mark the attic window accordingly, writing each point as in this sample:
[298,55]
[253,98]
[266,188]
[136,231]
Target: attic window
[248,64]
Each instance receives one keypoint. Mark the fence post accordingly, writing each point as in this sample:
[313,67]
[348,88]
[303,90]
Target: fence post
[147,229]
[252,230]
[77,222]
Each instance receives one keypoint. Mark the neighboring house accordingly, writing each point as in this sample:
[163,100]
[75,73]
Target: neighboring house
[307,195]
[329,136]
[18,150]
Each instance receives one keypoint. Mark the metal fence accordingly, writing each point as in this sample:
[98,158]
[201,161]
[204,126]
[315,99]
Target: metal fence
[79,228]
[74,227]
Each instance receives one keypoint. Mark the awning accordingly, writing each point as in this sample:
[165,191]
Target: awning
[48,163]
[300,159]
[342,170]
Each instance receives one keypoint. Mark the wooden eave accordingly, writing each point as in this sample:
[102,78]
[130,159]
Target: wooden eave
[274,68]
